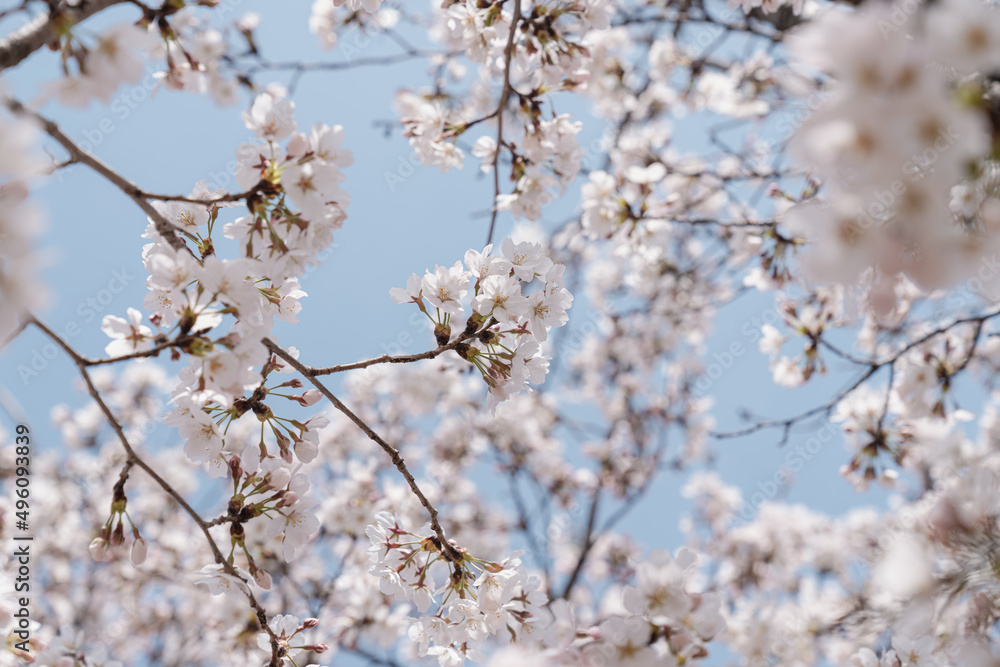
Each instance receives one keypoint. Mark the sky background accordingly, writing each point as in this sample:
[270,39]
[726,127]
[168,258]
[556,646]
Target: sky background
[171,140]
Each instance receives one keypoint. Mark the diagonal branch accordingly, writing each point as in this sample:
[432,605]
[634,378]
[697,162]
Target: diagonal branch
[449,550]
[134,459]
[873,366]
[77,154]
[44,28]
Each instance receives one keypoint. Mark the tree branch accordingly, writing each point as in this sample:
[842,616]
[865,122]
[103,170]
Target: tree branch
[402,359]
[447,548]
[44,28]
[77,154]
[873,366]
[135,459]
[504,96]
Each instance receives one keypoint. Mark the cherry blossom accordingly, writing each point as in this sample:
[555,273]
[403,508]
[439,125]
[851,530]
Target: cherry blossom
[664,189]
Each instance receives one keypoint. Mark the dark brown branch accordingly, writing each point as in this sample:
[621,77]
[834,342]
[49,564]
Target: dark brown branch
[504,96]
[44,28]
[588,543]
[402,359]
[77,154]
[447,548]
[135,459]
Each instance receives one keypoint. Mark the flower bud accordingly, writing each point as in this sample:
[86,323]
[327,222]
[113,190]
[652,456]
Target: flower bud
[234,467]
[99,548]
[311,397]
[263,579]
[306,451]
[442,334]
[118,537]
[139,549]
[279,478]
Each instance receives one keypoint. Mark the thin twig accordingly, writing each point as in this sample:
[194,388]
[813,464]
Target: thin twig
[872,367]
[504,95]
[387,359]
[588,543]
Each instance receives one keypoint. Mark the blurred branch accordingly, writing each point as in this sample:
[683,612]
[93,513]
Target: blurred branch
[873,366]
[45,28]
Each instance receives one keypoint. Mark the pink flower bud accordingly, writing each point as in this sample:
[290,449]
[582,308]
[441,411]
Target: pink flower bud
[311,397]
[279,478]
[263,579]
[306,451]
[99,548]
[234,467]
[310,623]
[139,549]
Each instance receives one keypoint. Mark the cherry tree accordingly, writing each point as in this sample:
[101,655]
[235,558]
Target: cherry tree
[836,160]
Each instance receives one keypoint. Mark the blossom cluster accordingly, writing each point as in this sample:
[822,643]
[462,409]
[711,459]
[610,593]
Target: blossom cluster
[231,384]
[116,56]
[477,599]
[328,20]
[905,123]
[540,52]
[502,336]
[191,291]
